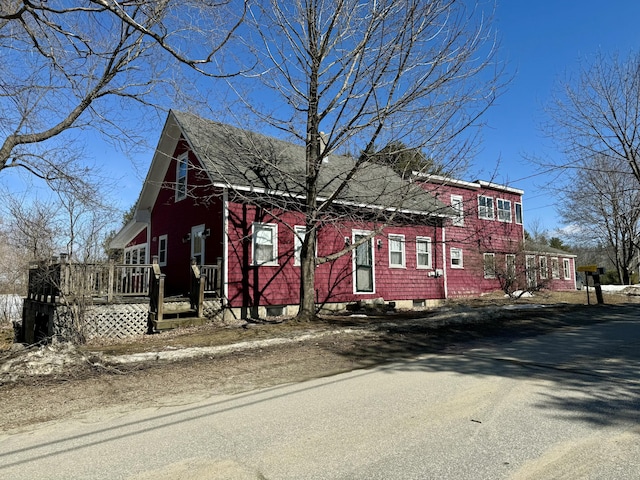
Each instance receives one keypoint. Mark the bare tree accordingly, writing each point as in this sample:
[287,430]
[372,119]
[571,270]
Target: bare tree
[350,76]
[71,64]
[597,114]
[603,205]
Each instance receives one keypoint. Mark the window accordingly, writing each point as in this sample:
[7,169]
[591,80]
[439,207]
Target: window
[363,264]
[485,207]
[423,252]
[530,269]
[298,236]
[136,255]
[504,210]
[457,205]
[544,269]
[489,265]
[511,267]
[198,244]
[566,267]
[265,245]
[162,250]
[555,268]
[181,177]
[518,213]
[396,251]
[456,258]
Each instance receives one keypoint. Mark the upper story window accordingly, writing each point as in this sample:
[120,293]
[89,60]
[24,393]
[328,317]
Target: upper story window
[181,177]
[518,213]
[485,207]
[423,252]
[504,210]
[265,244]
[396,251]
[457,205]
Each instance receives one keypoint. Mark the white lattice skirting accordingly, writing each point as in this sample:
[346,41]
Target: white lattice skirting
[119,320]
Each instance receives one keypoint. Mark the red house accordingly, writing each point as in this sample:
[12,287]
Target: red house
[229,197]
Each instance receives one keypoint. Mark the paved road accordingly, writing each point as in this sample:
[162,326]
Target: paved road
[562,406]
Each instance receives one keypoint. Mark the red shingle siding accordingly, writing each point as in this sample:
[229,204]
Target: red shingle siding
[279,284]
[175,219]
[478,236]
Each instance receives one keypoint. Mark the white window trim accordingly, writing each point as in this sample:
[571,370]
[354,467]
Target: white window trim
[299,231]
[544,269]
[355,233]
[498,210]
[402,251]
[426,240]
[566,268]
[484,265]
[492,211]
[161,239]
[182,159]
[555,272]
[457,203]
[128,251]
[451,251]
[274,249]
[516,213]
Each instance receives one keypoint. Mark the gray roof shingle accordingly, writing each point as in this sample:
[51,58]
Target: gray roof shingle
[239,158]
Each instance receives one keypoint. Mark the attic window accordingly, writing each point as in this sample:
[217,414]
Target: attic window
[181,177]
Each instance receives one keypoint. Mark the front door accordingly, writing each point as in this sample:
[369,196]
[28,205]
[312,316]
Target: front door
[363,265]
[197,244]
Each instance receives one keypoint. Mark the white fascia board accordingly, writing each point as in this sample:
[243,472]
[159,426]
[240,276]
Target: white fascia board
[162,158]
[497,186]
[322,199]
[127,234]
[445,180]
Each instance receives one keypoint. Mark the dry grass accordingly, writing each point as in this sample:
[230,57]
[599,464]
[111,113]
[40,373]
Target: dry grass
[212,335]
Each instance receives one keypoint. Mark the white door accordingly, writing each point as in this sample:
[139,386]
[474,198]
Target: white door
[197,244]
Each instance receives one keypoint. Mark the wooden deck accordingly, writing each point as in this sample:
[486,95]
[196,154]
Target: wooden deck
[64,295]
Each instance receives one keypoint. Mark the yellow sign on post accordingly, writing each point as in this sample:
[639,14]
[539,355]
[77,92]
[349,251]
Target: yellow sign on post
[588,268]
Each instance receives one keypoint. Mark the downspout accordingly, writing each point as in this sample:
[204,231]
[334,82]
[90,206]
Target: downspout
[225,248]
[444,263]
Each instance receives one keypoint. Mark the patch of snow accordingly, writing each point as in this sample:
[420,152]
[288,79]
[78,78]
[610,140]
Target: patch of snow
[520,294]
[10,308]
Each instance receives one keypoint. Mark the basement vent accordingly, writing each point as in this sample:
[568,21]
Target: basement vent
[276,310]
[419,303]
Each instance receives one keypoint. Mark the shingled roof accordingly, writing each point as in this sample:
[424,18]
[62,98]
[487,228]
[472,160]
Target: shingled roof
[241,159]
[244,161]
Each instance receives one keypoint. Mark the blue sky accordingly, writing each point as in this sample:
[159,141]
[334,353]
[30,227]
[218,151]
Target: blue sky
[541,42]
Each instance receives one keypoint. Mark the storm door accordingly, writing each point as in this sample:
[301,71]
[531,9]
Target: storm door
[197,244]
[363,264]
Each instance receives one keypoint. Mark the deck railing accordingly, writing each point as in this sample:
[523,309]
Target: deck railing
[109,280]
[51,280]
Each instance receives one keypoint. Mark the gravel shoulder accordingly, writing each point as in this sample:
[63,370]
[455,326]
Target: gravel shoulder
[53,383]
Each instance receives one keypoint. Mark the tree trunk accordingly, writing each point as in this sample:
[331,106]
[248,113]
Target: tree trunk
[307,307]
[307,277]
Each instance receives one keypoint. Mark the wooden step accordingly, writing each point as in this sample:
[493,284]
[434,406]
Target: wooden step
[171,323]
